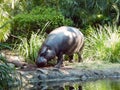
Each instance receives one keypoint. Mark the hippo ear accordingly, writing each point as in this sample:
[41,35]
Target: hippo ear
[51,53]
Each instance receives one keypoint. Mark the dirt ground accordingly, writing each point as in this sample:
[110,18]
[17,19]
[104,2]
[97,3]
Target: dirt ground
[71,71]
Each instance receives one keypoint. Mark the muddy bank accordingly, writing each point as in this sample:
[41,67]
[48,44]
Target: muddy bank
[79,72]
[71,72]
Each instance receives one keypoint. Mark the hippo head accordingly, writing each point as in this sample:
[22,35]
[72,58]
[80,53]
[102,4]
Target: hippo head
[44,55]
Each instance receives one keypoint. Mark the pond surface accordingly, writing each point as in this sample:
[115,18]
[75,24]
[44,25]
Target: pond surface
[107,84]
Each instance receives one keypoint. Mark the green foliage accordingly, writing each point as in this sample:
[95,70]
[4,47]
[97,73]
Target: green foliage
[91,12]
[85,12]
[6,71]
[103,44]
[29,48]
[9,8]
[36,19]
[5,74]
[102,85]
[4,46]
[4,23]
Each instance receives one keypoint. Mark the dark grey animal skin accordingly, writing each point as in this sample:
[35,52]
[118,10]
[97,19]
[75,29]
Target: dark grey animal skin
[63,40]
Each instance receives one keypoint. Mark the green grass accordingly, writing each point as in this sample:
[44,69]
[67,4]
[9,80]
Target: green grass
[103,44]
[29,48]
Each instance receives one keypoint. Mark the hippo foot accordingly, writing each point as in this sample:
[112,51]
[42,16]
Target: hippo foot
[71,61]
[58,65]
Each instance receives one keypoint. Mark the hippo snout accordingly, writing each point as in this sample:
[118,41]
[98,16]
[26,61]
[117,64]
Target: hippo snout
[41,61]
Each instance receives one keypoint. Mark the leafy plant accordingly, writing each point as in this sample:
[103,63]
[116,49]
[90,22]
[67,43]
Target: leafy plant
[9,8]
[91,12]
[86,12]
[4,46]
[4,24]
[29,48]
[36,19]
[5,74]
[103,44]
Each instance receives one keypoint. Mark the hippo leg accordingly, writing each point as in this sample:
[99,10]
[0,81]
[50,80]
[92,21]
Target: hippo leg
[59,61]
[79,57]
[79,54]
[71,58]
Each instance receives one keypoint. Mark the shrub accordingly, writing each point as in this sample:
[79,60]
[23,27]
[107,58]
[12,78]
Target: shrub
[4,46]
[5,74]
[103,44]
[29,48]
[6,71]
[91,12]
[36,19]
[4,26]
[86,12]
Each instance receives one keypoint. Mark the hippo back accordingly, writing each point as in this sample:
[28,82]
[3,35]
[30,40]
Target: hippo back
[65,39]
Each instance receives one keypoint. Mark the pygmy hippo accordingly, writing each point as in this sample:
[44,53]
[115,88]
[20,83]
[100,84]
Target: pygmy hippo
[63,40]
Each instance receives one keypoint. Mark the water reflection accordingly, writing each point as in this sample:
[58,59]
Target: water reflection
[64,86]
[102,85]
[108,84]
[74,88]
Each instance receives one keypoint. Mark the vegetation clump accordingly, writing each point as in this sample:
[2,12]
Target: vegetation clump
[103,44]
[5,74]
[36,19]
[29,48]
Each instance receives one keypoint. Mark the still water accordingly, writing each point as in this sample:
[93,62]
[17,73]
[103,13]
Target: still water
[107,84]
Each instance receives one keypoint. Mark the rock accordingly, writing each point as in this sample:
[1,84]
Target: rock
[83,77]
[42,77]
[42,71]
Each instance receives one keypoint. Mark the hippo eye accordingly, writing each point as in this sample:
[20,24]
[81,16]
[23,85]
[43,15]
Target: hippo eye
[42,54]
[50,53]
[45,54]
